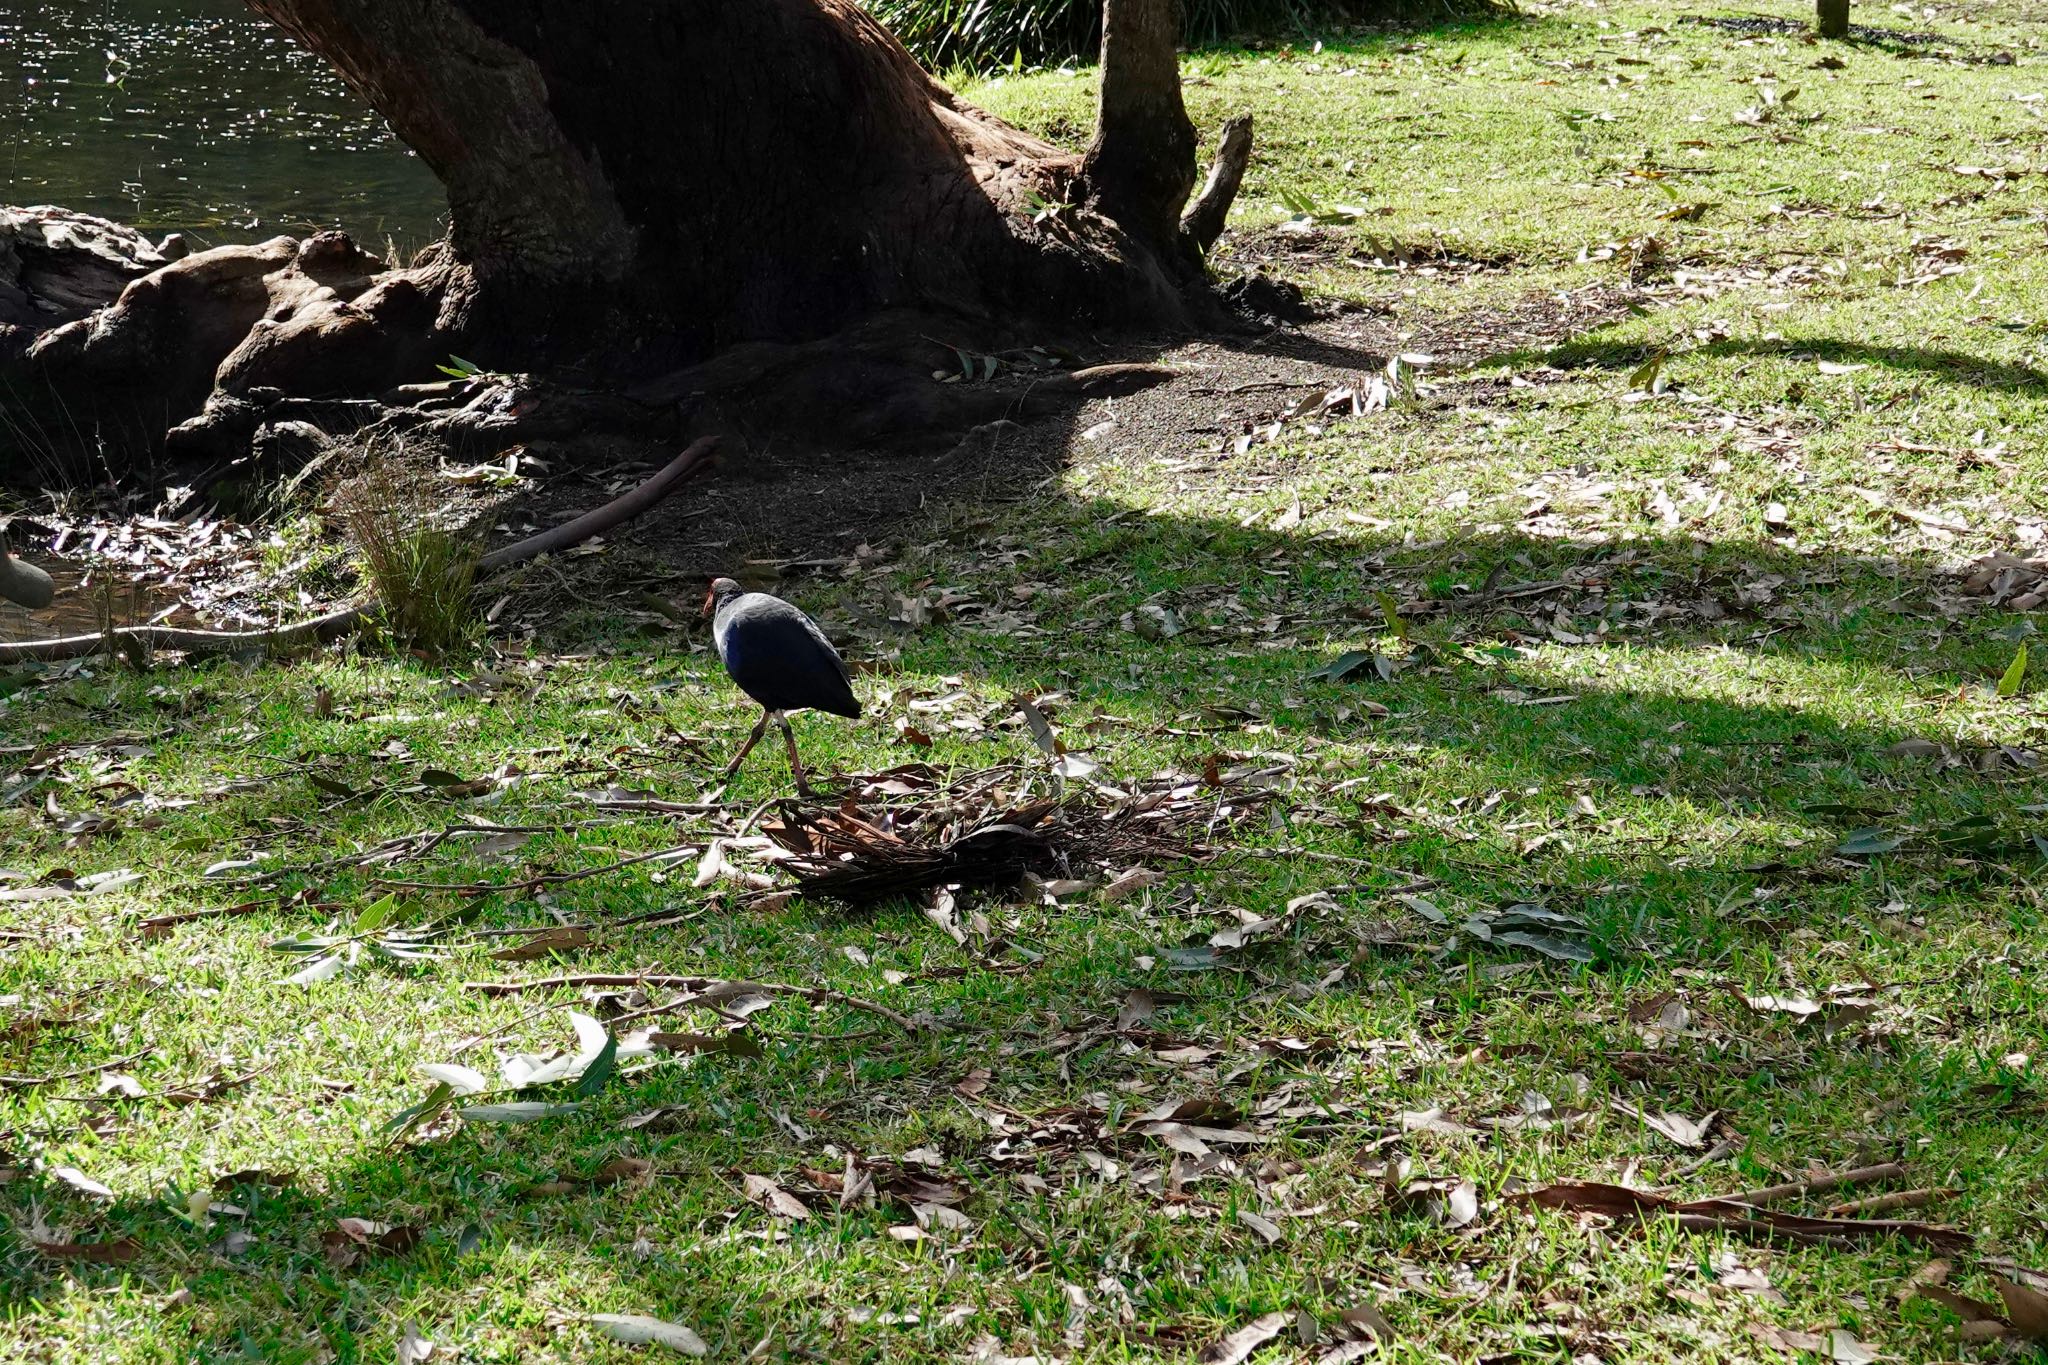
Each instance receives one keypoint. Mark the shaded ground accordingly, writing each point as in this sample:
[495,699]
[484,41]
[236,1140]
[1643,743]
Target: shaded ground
[1642,611]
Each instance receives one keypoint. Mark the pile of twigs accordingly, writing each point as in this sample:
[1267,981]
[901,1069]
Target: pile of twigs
[909,829]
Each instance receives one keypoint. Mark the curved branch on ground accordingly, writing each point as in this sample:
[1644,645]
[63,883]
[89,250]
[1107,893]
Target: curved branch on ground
[335,624]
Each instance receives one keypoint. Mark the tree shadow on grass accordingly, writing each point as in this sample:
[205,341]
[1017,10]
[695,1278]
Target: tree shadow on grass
[1947,365]
[1441,790]
[1471,787]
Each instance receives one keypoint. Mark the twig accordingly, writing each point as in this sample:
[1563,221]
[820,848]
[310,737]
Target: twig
[622,508]
[1885,1203]
[22,1082]
[528,883]
[470,1042]
[1720,1151]
[158,924]
[1862,1175]
[706,987]
[665,807]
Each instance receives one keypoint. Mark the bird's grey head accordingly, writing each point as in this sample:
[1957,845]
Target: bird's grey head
[722,590]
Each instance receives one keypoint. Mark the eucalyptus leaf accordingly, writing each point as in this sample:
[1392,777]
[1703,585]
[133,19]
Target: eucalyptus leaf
[518,1111]
[1344,665]
[600,1069]
[2015,674]
[320,969]
[1865,842]
[635,1329]
[1550,945]
[461,1079]
[376,915]
[406,1120]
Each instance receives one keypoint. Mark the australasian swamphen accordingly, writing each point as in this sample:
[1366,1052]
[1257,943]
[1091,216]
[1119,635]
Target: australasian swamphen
[23,583]
[780,658]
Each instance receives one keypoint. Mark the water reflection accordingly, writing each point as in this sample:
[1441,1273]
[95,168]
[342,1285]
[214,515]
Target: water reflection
[193,115]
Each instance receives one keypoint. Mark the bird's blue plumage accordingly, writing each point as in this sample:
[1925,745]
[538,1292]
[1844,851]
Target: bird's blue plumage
[779,657]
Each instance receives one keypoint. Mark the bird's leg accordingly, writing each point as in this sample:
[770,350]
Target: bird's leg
[760,729]
[796,765]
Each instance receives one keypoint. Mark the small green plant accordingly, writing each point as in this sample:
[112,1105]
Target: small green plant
[423,570]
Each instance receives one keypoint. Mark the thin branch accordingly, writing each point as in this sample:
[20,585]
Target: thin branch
[707,988]
[529,883]
[1862,1175]
[23,1082]
[1886,1203]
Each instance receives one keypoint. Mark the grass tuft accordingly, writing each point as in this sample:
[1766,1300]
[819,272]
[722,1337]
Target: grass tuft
[424,571]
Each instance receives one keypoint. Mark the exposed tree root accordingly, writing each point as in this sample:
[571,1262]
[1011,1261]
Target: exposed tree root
[142,640]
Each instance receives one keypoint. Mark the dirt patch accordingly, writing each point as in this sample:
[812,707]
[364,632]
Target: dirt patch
[1287,250]
[785,508]
[769,510]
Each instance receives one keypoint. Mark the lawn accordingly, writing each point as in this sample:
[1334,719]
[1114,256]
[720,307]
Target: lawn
[1608,777]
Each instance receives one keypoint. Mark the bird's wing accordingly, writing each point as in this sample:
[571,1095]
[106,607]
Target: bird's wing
[826,645]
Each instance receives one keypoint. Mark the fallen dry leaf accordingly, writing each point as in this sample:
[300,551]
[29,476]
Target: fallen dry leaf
[1782,1004]
[346,1242]
[563,940]
[1265,1227]
[2025,1306]
[80,1181]
[1623,1204]
[1434,1121]
[1239,1345]
[1687,1133]
[635,1329]
[118,1252]
[1141,1004]
[774,1198]
[1748,1280]
[414,1349]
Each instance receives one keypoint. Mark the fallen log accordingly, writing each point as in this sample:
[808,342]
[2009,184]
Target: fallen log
[343,621]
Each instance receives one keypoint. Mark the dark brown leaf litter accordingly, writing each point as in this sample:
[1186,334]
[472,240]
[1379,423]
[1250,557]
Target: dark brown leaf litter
[1622,1204]
[910,829]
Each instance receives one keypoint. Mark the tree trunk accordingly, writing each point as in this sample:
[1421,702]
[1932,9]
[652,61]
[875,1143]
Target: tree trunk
[767,170]
[1832,18]
[637,185]
[1142,163]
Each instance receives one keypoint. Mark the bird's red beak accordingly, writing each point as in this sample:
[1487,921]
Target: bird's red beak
[709,602]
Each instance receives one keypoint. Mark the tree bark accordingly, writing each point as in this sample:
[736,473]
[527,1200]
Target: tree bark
[636,186]
[771,170]
[1832,18]
[1141,164]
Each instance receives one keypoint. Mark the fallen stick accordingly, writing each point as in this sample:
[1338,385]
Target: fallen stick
[345,620]
[24,1082]
[1885,1203]
[529,883]
[1724,1215]
[708,989]
[1862,1175]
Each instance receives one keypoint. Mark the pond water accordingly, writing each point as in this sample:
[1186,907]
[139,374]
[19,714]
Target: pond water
[195,116]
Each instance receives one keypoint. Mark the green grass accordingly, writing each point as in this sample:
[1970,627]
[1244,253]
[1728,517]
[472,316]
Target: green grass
[1683,798]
